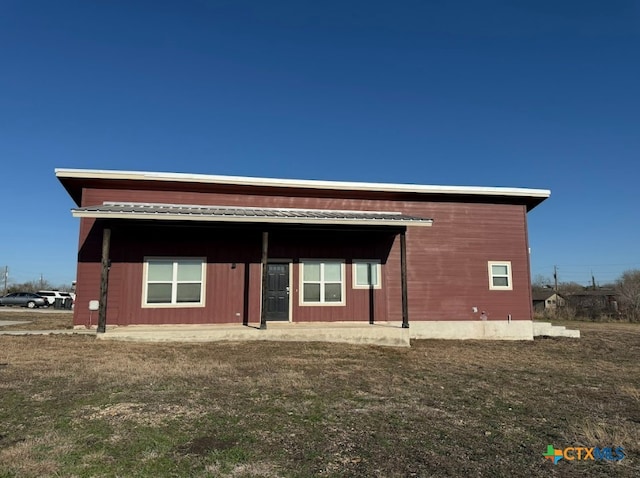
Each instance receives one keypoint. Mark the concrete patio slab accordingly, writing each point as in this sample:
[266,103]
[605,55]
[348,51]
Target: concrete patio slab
[353,333]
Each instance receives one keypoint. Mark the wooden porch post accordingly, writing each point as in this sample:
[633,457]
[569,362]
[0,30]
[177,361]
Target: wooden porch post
[104,280]
[403,278]
[263,309]
[371,293]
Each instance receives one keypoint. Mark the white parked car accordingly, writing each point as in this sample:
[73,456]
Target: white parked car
[52,295]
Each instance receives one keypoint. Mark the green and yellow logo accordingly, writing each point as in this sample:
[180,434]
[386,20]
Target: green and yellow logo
[553,455]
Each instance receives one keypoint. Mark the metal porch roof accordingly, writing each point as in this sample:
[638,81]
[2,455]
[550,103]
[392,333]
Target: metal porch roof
[180,212]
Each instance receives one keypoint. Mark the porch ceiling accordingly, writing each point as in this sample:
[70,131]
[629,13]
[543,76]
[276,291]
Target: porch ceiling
[201,213]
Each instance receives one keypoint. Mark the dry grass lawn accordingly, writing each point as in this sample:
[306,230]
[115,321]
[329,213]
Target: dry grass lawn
[72,406]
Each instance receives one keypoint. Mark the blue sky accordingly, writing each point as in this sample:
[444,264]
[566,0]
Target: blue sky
[540,94]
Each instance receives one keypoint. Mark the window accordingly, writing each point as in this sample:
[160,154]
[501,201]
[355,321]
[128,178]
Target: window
[500,276]
[322,283]
[173,282]
[366,274]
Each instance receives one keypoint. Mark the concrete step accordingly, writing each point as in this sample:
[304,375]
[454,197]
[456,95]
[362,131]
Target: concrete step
[546,329]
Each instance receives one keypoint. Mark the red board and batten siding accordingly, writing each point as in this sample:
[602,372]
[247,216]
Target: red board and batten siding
[447,263]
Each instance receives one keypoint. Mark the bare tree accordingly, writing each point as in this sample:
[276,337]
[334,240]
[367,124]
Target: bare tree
[540,283]
[29,286]
[570,287]
[628,294]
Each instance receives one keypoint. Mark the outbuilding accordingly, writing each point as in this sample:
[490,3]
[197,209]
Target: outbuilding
[173,249]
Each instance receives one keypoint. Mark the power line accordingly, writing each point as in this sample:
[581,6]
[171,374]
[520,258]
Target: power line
[626,264]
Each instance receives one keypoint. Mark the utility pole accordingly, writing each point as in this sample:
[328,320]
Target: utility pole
[555,287]
[6,278]
[41,281]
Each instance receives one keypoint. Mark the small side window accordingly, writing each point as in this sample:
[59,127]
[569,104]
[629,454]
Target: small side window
[366,274]
[500,275]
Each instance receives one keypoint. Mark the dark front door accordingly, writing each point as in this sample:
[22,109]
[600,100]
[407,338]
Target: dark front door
[277,291]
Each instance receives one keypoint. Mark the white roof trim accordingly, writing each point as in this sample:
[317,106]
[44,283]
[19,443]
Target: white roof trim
[299,183]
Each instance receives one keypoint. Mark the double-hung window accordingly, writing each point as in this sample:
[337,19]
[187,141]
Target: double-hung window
[500,275]
[173,282]
[322,283]
[366,274]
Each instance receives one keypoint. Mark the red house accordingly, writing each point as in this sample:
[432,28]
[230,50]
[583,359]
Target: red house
[170,248]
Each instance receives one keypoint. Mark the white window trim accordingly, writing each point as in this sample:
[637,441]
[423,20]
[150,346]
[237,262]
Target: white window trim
[302,302]
[354,273]
[491,275]
[180,305]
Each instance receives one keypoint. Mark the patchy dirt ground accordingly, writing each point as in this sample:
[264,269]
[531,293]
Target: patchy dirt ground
[74,406]
[36,319]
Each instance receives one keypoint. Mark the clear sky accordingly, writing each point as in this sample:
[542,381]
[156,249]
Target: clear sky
[540,94]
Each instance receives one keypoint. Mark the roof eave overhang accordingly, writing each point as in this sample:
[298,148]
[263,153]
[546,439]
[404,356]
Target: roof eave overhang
[70,177]
[249,220]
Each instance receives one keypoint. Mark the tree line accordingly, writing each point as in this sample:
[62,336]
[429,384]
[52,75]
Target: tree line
[36,285]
